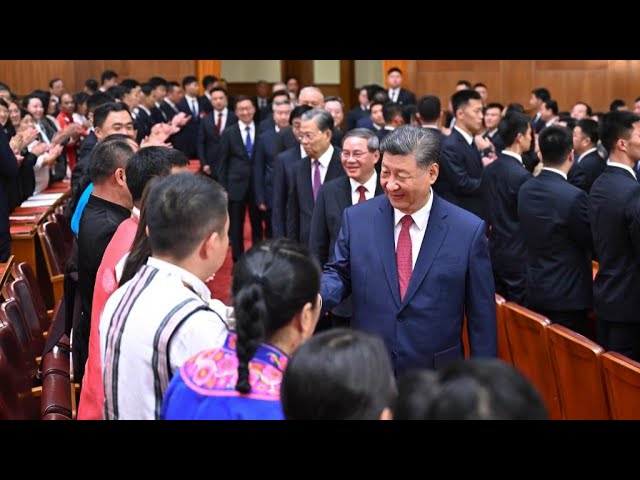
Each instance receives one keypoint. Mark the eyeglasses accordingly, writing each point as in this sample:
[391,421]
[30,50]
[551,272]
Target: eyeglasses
[357,154]
[307,135]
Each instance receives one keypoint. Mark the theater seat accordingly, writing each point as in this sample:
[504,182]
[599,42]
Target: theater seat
[622,380]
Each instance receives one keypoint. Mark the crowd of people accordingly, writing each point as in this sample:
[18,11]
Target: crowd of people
[374,233]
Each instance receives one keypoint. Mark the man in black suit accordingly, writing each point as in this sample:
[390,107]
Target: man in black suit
[492,117]
[264,163]
[589,164]
[283,171]
[8,172]
[211,129]
[186,139]
[362,110]
[398,94]
[237,154]
[538,96]
[501,182]
[554,221]
[392,114]
[428,114]
[321,165]
[614,213]
[360,153]
[170,101]
[461,165]
[261,101]
[267,122]
[158,93]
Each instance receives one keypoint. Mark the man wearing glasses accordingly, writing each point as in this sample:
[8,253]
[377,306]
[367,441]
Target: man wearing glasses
[360,154]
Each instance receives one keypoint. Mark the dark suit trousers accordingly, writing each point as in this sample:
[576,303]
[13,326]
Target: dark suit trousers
[265,224]
[236,225]
[511,285]
[575,320]
[621,337]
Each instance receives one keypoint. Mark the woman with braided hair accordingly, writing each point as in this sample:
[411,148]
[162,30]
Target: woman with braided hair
[275,294]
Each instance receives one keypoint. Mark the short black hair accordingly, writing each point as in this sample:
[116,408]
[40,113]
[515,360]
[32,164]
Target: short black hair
[429,108]
[461,99]
[91,84]
[555,143]
[339,374]
[394,69]
[150,162]
[107,75]
[589,129]
[107,156]
[182,210]
[511,125]
[616,125]
[102,112]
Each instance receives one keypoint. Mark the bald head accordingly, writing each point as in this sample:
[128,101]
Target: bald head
[311,96]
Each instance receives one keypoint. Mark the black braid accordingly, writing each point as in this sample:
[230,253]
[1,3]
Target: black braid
[252,315]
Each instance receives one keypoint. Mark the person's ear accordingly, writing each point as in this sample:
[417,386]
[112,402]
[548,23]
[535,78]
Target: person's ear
[376,156]
[121,177]
[434,171]
[386,414]
[208,245]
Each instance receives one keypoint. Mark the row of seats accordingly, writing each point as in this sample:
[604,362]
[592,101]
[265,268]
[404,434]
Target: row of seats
[576,377]
[32,387]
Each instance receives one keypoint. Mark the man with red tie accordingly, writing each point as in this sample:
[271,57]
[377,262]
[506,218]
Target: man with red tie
[360,154]
[211,128]
[414,263]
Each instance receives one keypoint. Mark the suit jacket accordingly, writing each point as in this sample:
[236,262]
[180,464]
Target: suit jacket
[583,174]
[143,124]
[554,221]
[266,123]
[158,115]
[460,175]
[614,213]
[285,140]
[452,274]
[334,197]
[501,182]
[208,141]
[263,168]
[283,168]
[354,115]
[186,139]
[406,97]
[300,202]
[236,168]
[169,111]
[366,122]
[8,173]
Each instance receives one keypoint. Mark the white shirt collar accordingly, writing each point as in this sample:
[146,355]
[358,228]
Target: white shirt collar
[620,165]
[224,112]
[513,154]
[370,184]
[135,212]
[302,152]
[187,277]
[325,158]
[555,170]
[142,107]
[466,136]
[243,126]
[420,217]
[491,133]
[594,149]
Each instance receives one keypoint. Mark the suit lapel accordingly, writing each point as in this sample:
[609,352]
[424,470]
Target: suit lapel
[345,200]
[433,239]
[386,247]
[304,179]
[334,169]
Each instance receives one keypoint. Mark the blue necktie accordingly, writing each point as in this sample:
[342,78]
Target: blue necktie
[247,143]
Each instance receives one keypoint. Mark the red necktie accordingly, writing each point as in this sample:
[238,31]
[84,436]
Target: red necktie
[403,255]
[219,124]
[362,189]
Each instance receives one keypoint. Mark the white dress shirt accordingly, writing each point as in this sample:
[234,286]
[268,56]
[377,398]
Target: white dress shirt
[466,136]
[555,170]
[513,154]
[584,154]
[324,160]
[620,165]
[417,228]
[243,131]
[369,185]
[225,116]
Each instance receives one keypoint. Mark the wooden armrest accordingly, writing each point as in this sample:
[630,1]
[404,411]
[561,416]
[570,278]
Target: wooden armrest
[36,392]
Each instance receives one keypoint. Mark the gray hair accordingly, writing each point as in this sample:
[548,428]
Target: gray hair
[322,118]
[410,140]
[373,143]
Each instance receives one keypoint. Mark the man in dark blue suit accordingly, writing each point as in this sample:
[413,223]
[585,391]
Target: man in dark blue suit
[414,263]
[360,153]
[428,114]
[397,94]
[237,154]
[264,163]
[614,213]
[554,221]
[190,104]
[461,164]
[362,110]
[501,181]
[283,172]
[8,172]
[211,128]
[588,164]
